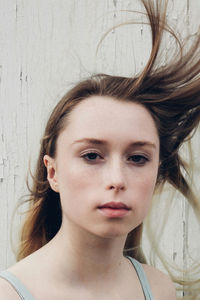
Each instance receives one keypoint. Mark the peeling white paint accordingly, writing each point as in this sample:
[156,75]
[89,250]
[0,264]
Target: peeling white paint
[115,2]
[2,153]
[1,170]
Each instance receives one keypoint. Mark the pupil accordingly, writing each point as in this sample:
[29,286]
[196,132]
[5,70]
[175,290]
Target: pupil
[92,155]
[136,158]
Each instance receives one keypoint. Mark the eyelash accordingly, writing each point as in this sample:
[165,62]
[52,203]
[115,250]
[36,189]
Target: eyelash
[86,156]
[142,158]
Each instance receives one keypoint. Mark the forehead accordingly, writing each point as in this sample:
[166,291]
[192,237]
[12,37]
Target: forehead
[104,117]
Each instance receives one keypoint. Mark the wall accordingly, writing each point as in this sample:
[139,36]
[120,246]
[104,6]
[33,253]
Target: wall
[46,46]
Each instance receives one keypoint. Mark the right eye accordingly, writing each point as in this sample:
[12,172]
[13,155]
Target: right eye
[91,156]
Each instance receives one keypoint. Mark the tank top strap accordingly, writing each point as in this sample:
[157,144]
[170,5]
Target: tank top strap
[17,285]
[143,279]
[25,294]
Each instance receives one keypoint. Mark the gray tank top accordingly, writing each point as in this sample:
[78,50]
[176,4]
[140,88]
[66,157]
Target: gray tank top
[26,295]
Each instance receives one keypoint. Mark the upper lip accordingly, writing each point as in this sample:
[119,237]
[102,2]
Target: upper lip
[114,205]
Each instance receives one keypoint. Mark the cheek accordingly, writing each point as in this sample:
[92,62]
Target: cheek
[146,186]
[149,182]
[75,181]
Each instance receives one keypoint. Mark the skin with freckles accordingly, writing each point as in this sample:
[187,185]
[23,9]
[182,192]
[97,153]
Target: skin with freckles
[107,157]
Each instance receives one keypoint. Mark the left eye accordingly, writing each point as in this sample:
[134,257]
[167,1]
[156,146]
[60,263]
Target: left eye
[92,156]
[138,159]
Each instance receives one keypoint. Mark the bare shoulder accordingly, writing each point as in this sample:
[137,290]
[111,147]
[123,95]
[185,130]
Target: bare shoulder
[7,292]
[161,285]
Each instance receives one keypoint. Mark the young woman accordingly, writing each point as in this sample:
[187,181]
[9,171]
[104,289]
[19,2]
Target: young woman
[108,144]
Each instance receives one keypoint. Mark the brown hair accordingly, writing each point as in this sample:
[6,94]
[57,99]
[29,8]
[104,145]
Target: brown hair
[170,93]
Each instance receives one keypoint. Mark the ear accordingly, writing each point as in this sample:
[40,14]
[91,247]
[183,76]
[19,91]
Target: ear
[51,172]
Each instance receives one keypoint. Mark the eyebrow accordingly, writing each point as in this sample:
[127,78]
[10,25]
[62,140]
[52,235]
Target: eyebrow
[93,141]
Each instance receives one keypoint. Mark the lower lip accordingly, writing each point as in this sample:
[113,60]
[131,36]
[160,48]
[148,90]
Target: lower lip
[114,212]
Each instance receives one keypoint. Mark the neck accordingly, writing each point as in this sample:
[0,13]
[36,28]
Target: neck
[80,255]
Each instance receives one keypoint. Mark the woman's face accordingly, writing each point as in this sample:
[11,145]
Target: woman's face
[106,166]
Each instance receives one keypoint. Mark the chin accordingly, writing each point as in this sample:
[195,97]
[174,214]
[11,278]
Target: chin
[113,233]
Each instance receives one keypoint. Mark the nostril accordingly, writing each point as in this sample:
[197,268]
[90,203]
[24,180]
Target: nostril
[117,187]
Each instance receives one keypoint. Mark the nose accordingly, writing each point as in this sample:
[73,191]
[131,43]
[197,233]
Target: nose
[116,187]
[115,179]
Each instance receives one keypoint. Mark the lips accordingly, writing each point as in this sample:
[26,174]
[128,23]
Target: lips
[114,209]
[115,205]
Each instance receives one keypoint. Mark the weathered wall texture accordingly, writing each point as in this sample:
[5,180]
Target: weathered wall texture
[45,46]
